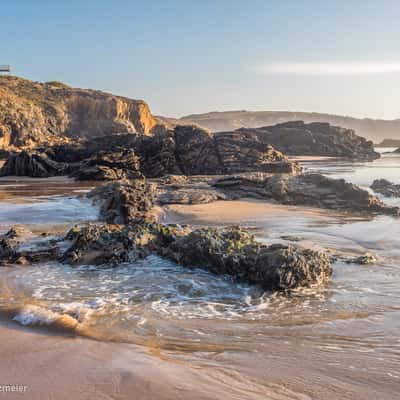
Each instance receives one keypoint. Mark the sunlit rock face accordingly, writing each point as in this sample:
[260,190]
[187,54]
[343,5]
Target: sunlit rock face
[34,113]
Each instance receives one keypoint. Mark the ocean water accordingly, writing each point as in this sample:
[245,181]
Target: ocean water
[341,341]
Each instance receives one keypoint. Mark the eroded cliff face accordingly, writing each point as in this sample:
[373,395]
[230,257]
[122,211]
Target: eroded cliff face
[34,113]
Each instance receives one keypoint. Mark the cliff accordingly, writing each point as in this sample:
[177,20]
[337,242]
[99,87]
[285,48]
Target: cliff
[373,129]
[33,113]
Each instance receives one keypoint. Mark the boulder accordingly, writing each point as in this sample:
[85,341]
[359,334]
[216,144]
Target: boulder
[13,251]
[125,201]
[234,252]
[111,244]
[33,164]
[386,188]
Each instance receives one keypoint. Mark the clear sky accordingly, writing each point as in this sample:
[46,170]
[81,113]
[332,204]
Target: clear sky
[195,56]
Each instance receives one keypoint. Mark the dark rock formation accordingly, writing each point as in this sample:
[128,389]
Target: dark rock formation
[189,150]
[33,164]
[108,165]
[386,188]
[186,150]
[124,202]
[11,251]
[34,113]
[111,244]
[8,246]
[315,139]
[372,129]
[234,252]
[230,251]
[309,189]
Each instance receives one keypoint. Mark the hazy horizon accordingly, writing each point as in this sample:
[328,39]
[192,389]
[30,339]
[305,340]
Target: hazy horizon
[215,57]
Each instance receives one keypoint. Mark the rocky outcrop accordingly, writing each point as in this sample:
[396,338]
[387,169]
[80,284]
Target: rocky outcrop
[189,150]
[386,188]
[12,250]
[372,129]
[314,139]
[124,202]
[308,189]
[34,164]
[34,113]
[109,165]
[107,244]
[185,150]
[234,252]
[230,251]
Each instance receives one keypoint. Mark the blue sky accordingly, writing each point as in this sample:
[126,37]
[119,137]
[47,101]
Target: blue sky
[191,56]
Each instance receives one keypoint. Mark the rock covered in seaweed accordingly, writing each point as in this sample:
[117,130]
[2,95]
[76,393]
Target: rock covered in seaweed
[125,201]
[235,252]
[105,243]
[385,187]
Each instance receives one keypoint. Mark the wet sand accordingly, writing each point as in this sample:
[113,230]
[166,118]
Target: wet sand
[60,367]
[236,212]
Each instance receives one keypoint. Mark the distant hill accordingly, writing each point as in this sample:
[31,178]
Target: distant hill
[389,143]
[373,129]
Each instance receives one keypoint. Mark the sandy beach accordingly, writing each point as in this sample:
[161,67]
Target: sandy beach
[53,366]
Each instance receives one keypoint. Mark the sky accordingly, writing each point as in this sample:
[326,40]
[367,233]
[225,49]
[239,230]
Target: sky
[184,57]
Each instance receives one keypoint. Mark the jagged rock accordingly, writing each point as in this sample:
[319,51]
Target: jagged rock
[125,201]
[309,189]
[315,139]
[386,188]
[12,251]
[242,151]
[190,150]
[295,137]
[109,166]
[32,164]
[112,244]
[218,121]
[230,251]
[158,154]
[186,150]
[367,258]
[8,245]
[234,252]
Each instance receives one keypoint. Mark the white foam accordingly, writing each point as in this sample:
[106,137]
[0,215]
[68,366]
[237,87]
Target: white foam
[35,315]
